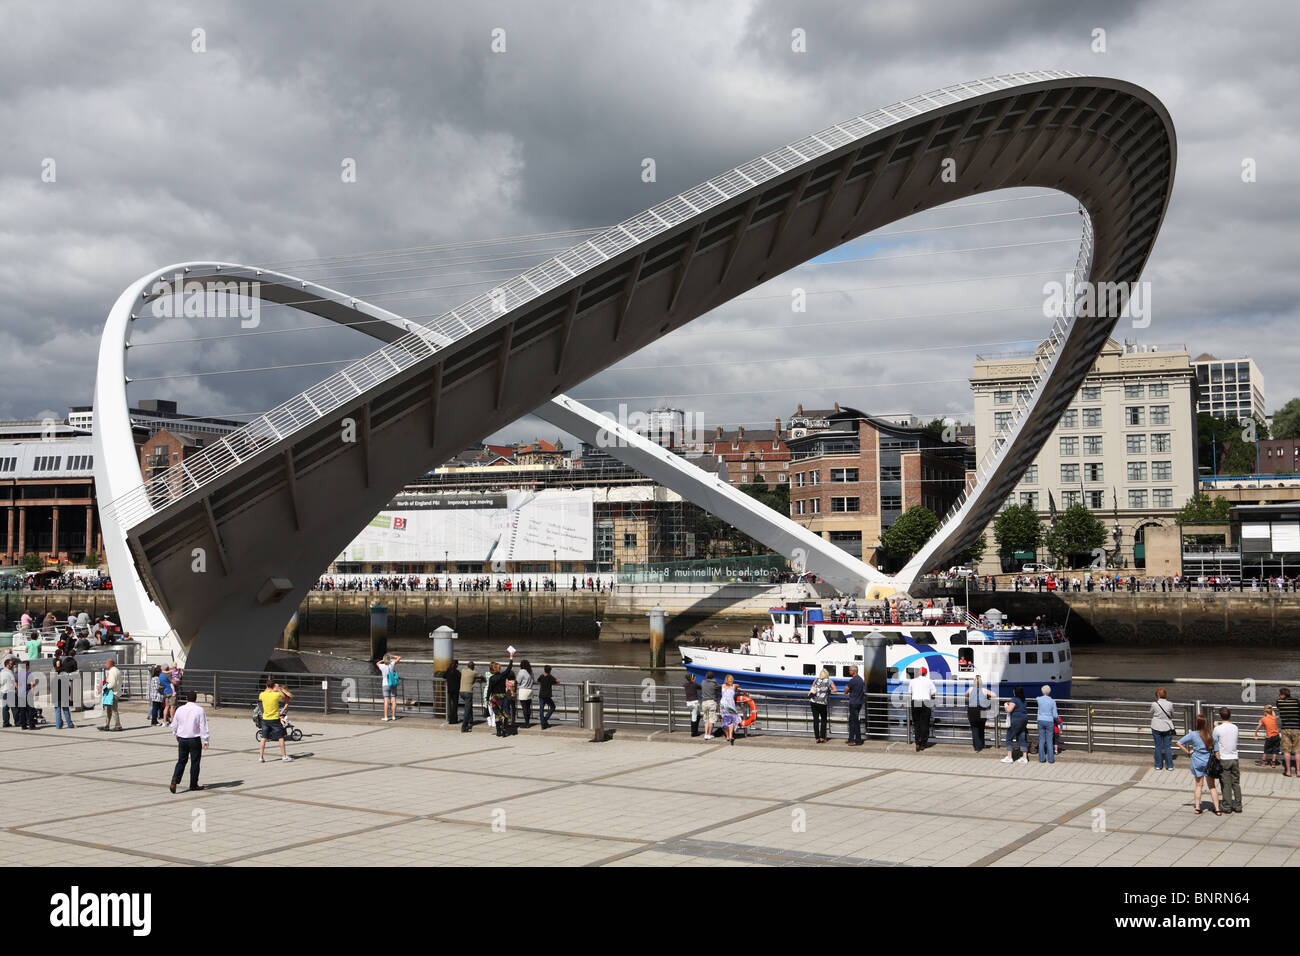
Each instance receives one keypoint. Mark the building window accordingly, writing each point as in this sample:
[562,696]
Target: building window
[1158,391]
[1161,444]
[1069,445]
[629,539]
[800,506]
[1159,414]
[8,464]
[1137,499]
[891,472]
[1090,393]
[1069,473]
[847,504]
[1092,444]
[1162,498]
[814,477]
[1070,419]
[1002,398]
[816,506]
[798,479]
[1030,477]
[1029,498]
[1070,498]
[1092,471]
[1094,499]
[1162,471]
[1092,418]
[1135,415]
[1137,471]
[844,474]
[1133,391]
[1001,421]
[1135,444]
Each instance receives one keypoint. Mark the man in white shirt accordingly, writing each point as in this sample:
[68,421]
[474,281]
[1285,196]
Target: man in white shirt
[1225,748]
[190,726]
[923,692]
[9,692]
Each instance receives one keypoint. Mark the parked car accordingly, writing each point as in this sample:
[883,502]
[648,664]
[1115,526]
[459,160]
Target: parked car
[961,572]
[1037,569]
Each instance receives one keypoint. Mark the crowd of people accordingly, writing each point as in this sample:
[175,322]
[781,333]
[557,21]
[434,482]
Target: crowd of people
[460,582]
[506,695]
[78,580]
[1089,581]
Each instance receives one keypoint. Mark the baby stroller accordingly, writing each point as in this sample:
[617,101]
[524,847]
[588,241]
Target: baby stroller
[290,731]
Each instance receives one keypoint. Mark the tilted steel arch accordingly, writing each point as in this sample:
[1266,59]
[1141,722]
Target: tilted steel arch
[281,497]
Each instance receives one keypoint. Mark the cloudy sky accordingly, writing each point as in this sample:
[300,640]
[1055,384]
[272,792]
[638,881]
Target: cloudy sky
[143,134]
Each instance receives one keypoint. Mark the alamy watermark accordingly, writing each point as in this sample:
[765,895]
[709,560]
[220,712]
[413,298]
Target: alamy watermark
[1098,300]
[677,429]
[183,298]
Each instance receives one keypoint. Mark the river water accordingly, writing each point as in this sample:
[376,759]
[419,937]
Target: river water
[1142,668]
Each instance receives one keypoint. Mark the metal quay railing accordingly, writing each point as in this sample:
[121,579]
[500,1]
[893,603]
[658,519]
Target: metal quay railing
[1091,726]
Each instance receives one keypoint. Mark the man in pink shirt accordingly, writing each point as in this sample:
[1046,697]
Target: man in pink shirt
[190,726]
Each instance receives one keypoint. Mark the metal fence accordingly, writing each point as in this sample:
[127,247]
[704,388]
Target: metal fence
[1086,725]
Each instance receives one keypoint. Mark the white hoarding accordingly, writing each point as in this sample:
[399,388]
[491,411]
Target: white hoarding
[510,526]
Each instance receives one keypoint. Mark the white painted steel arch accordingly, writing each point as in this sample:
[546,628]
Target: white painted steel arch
[1108,143]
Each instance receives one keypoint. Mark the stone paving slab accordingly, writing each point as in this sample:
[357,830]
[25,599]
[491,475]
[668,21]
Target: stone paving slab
[434,843]
[612,811]
[233,827]
[421,793]
[1034,801]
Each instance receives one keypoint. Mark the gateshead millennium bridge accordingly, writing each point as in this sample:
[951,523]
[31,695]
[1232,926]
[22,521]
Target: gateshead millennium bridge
[271,504]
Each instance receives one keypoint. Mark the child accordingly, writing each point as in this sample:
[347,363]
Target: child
[1272,737]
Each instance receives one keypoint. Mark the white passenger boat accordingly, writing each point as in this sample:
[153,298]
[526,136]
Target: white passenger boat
[890,643]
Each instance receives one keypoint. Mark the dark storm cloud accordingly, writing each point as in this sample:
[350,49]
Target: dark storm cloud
[165,155]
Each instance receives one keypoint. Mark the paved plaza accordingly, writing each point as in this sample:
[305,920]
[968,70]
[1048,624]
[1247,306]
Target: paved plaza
[414,792]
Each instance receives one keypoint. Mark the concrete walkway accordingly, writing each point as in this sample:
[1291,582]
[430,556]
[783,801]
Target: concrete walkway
[414,792]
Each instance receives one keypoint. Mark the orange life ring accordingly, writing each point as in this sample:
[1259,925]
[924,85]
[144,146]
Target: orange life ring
[753,709]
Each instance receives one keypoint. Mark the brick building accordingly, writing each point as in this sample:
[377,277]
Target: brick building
[1279,456]
[753,454]
[854,477]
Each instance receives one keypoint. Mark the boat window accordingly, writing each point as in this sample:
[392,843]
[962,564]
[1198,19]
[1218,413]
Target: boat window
[966,659]
[810,670]
[830,669]
[857,657]
[1048,658]
[1013,657]
[923,637]
[1031,657]
[834,637]
[891,673]
[893,637]
[912,672]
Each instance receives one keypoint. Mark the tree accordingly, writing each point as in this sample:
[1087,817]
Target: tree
[1202,509]
[909,532]
[92,559]
[1018,528]
[1076,531]
[33,562]
[1229,447]
[1286,420]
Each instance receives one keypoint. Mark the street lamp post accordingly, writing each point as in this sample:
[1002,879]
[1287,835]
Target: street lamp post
[1118,533]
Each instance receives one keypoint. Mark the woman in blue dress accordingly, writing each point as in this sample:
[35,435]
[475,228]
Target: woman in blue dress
[1199,744]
